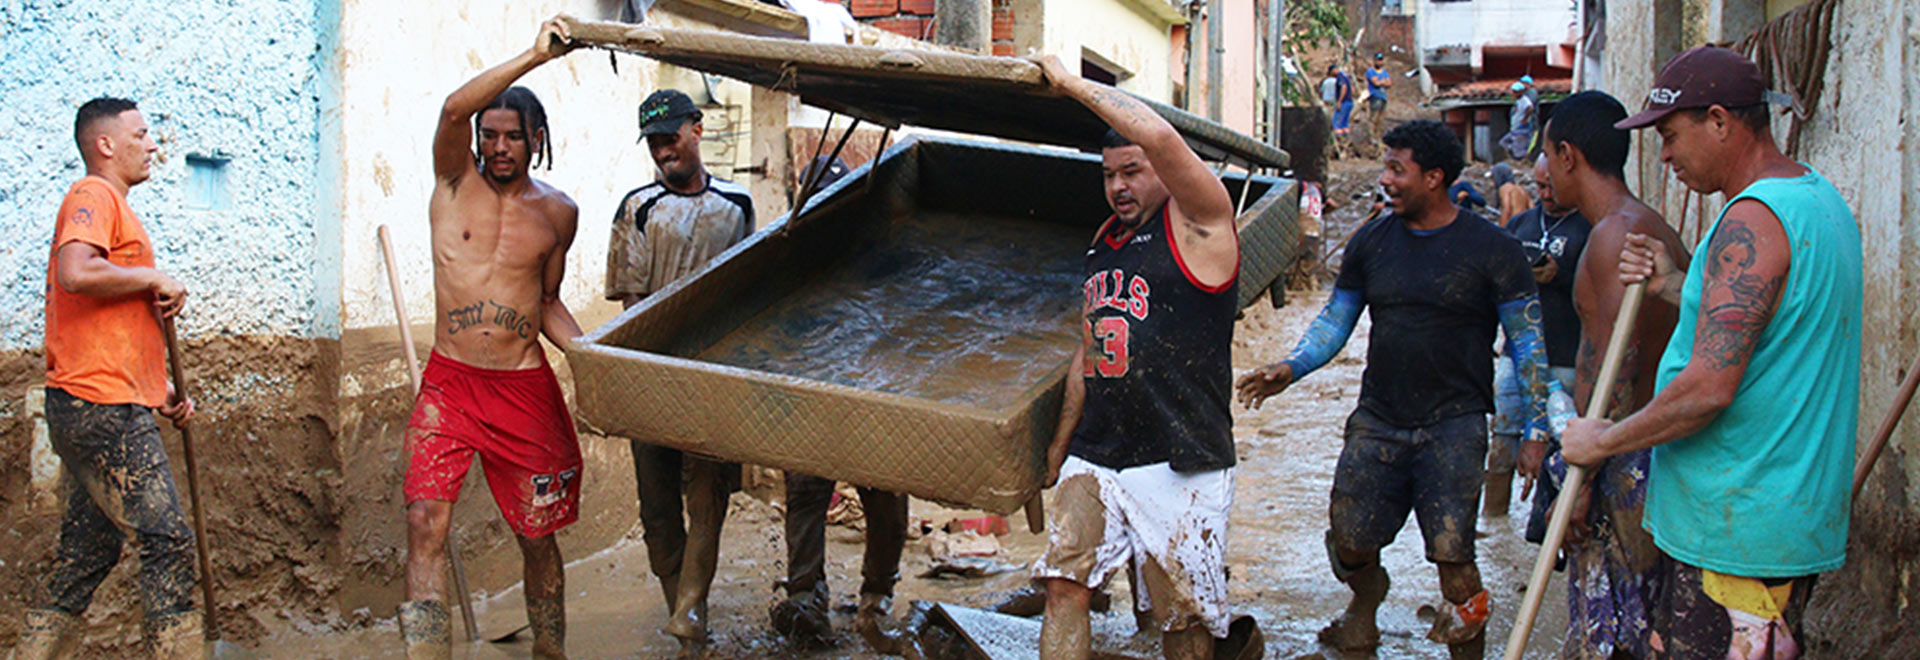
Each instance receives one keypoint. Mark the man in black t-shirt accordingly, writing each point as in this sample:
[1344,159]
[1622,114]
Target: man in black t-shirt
[1439,281]
[1552,236]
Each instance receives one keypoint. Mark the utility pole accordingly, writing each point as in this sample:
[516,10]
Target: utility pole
[1276,69]
[1215,50]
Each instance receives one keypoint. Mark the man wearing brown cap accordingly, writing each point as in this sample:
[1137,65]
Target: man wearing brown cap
[1755,408]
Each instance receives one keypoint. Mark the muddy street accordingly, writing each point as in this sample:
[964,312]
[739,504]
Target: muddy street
[1277,560]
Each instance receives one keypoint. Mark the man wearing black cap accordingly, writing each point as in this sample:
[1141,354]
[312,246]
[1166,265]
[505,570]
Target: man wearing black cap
[661,232]
[1378,81]
[1755,408]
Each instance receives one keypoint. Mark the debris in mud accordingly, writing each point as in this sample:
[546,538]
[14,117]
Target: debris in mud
[942,546]
[964,568]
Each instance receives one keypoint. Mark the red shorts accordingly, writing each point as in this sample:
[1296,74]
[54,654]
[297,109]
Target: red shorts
[517,422]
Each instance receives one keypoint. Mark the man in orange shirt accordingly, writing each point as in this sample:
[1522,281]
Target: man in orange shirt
[106,372]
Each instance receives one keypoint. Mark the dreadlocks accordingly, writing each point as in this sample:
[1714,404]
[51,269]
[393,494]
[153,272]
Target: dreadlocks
[533,122]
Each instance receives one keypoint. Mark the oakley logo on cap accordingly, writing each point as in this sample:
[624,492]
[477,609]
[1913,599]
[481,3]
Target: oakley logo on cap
[1664,96]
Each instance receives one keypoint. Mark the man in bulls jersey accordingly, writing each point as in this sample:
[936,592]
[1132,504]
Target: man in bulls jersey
[1143,456]
[1439,280]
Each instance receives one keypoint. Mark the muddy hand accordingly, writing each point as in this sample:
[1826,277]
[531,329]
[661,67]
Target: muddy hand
[1577,527]
[1264,382]
[169,295]
[1532,456]
[1056,73]
[555,39]
[177,409]
[1546,272]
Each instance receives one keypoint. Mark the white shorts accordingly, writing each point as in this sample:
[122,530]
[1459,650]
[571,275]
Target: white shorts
[1174,524]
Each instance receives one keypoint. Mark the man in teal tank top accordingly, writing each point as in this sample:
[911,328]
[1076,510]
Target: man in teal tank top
[1753,423]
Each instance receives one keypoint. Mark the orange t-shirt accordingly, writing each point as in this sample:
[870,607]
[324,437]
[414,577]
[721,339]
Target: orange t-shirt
[104,350]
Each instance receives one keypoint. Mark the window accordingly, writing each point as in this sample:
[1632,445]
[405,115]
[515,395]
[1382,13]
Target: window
[207,183]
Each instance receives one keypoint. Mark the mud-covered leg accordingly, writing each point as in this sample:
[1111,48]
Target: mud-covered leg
[546,581]
[46,635]
[424,622]
[880,567]
[1499,476]
[1067,631]
[803,614]
[1463,626]
[1362,572]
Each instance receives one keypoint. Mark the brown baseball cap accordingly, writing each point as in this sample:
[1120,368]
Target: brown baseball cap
[1700,78]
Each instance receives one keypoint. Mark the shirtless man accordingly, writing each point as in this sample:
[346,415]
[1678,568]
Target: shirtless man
[500,241]
[1612,577]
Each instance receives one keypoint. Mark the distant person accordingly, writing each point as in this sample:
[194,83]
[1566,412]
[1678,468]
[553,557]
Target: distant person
[1142,460]
[1378,81]
[1518,141]
[1342,101]
[1513,198]
[1756,399]
[663,231]
[1465,196]
[1439,283]
[500,240]
[106,375]
[1553,237]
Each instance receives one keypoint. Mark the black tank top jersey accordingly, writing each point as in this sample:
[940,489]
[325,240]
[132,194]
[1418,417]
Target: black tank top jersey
[1158,371]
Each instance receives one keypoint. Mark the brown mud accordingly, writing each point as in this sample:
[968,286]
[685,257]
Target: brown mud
[1275,555]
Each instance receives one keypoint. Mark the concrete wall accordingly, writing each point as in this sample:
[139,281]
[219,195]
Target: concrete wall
[1239,66]
[1119,31]
[1861,137]
[1485,23]
[251,266]
[399,62]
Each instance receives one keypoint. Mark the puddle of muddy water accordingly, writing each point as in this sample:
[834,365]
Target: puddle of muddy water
[945,307]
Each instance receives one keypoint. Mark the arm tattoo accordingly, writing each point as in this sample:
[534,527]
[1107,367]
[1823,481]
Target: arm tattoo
[1521,321]
[1328,334]
[1731,328]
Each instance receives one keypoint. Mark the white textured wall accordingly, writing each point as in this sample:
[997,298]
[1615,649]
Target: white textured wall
[399,62]
[1484,23]
[234,79]
[1117,31]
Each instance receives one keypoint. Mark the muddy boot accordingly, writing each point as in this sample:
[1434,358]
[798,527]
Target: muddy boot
[1499,494]
[548,619]
[427,630]
[875,625]
[1244,641]
[706,512]
[177,636]
[803,618]
[1356,630]
[47,634]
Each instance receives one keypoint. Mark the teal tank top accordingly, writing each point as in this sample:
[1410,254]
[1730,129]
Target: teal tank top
[1763,491]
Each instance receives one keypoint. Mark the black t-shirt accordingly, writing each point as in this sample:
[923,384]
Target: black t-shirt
[1434,301]
[1565,237]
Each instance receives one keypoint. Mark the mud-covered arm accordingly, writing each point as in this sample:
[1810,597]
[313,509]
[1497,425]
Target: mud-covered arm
[556,321]
[1746,270]
[1071,404]
[1328,333]
[1520,320]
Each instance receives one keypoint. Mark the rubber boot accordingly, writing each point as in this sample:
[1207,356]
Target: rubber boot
[47,634]
[177,636]
[706,512]
[1499,494]
[427,629]
[548,618]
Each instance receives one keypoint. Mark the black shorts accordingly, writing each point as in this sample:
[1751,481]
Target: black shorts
[1433,471]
